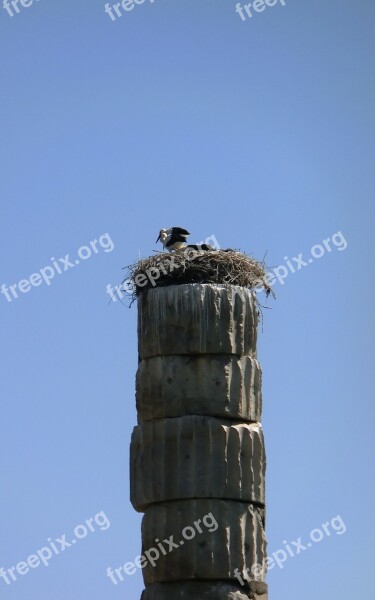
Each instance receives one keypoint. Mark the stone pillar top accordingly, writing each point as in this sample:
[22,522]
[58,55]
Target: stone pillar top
[197,318]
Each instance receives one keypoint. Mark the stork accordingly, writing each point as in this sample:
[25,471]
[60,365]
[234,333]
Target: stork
[173,238]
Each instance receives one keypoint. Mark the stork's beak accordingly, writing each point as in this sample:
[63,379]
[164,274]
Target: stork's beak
[158,238]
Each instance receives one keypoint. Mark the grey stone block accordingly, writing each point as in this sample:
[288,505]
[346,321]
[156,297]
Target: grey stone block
[197,319]
[220,385]
[196,457]
[233,538]
[205,590]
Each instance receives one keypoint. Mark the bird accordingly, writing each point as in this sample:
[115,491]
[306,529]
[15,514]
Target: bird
[199,247]
[173,238]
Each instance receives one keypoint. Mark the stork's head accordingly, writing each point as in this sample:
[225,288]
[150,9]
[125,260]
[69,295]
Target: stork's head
[162,235]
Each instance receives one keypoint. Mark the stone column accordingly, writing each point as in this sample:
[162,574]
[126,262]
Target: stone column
[197,454]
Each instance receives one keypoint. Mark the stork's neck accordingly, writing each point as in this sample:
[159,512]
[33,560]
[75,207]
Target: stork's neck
[163,237]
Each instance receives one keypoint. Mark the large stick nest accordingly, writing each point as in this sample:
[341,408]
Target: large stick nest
[193,266]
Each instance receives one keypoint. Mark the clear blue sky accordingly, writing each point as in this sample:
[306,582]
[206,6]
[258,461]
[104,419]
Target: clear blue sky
[260,132]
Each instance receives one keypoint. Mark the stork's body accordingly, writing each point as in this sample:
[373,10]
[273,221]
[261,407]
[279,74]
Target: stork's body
[173,238]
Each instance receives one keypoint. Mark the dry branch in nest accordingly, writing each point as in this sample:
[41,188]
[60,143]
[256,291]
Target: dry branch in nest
[194,266]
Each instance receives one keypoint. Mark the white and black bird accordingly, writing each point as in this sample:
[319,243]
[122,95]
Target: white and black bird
[173,238]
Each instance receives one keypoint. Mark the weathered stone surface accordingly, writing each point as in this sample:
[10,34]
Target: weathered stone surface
[233,538]
[220,385]
[196,457]
[205,590]
[197,319]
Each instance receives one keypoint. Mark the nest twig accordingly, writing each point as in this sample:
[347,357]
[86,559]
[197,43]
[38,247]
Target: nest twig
[197,266]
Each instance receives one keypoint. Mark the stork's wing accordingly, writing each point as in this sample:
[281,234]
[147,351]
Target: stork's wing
[173,238]
[199,247]
[178,231]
